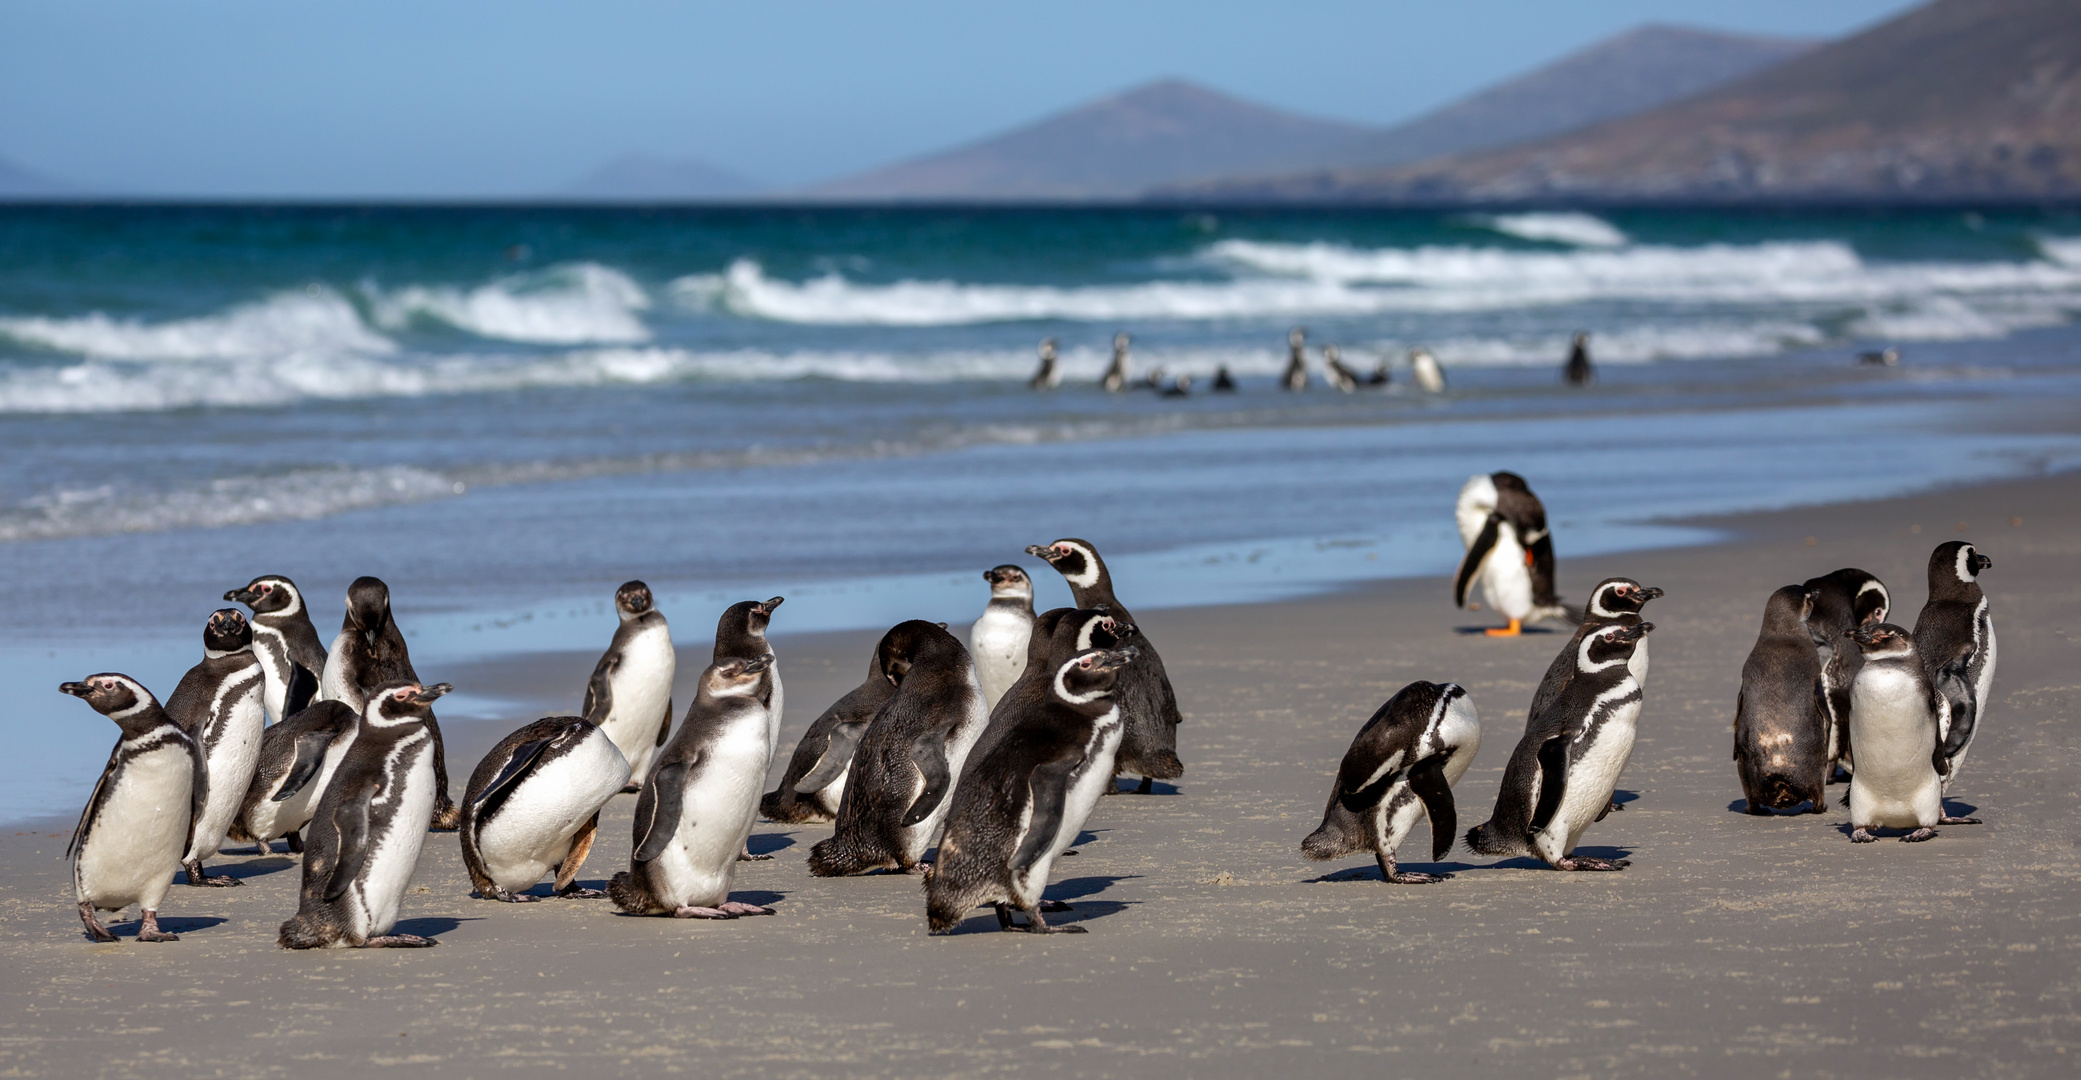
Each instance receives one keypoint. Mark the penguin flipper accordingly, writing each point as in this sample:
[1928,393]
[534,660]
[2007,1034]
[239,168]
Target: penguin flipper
[599,690]
[1477,553]
[198,797]
[658,809]
[665,725]
[517,765]
[86,817]
[1048,787]
[1542,564]
[1553,780]
[929,753]
[842,740]
[350,824]
[1954,682]
[302,689]
[310,757]
[1427,779]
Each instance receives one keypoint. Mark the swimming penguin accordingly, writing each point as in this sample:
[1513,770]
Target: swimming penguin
[698,804]
[630,694]
[297,759]
[1578,372]
[1402,763]
[1898,722]
[1058,634]
[1049,376]
[533,806]
[1509,549]
[1563,772]
[907,760]
[290,651]
[1381,376]
[1423,367]
[1224,383]
[1954,635]
[1780,729]
[1615,601]
[1118,372]
[1017,809]
[998,640]
[1296,377]
[220,704]
[1887,357]
[363,843]
[140,820]
[1843,601]
[369,653]
[1147,703]
[1179,387]
[814,783]
[1335,373]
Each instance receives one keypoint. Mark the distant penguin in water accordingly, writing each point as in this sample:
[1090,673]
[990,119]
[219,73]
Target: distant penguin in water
[814,784]
[1423,367]
[1335,373]
[1049,375]
[141,818]
[220,703]
[1296,377]
[998,640]
[1843,601]
[370,652]
[1402,763]
[1509,548]
[297,759]
[1578,372]
[291,653]
[1179,387]
[533,806]
[1887,357]
[1381,376]
[1120,370]
[1899,723]
[1224,383]
[630,693]
[1148,704]
[1954,635]
[1780,729]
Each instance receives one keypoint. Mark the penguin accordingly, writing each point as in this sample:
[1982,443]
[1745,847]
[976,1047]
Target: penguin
[1118,372]
[140,821]
[907,759]
[1381,376]
[699,801]
[363,842]
[1954,635]
[1058,634]
[370,652]
[1153,380]
[533,806]
[1149,705]
[1508,547]
[291,654]
[998,639]
[1296,377]
[1616,600]
[1564,770]
[1887,357]
[1049,376]
[1405,760]
[1578,372]
[814,783]
[1899,721]
[1019,808]
[1423,367]
[1179,387]
[1224,383]
[1342,378]
[1780,726]
[741,634]
[297,759]
[1843,601]
[221,705]
[630,694]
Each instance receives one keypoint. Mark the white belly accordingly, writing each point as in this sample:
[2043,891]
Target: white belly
[533,829]
[641,690]
[1084,793]
[273,652]
[135,844]
[394,853]
[231,766]
[271,820]
[1593,774]
[960,741]
[697,868]
[1894,736]
[1505,579]
[333,684]
[998,642]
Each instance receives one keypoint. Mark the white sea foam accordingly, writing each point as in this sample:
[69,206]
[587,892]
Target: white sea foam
[241,500]
[1581,230]
[576,304]
[317,321]
[2065,250]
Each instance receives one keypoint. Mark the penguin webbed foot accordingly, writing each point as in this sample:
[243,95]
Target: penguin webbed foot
[505,897]
[1037,925]
[196,877]
[1393,874]
[1919,835]
[1515,628]
[1584,863]
[399,941]
[631,789]
[746,856]
[1757,809]
[1055,906]
[919,869]
[1958,821]
[148,929]
[725,910]
[1862,835]
[736,908]
[575,891]
[95,931]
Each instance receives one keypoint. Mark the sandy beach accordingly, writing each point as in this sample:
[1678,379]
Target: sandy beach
[1733,946]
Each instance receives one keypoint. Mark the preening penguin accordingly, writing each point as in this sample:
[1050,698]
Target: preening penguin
[1120,370]
[1780,727]
[290,651]
[533,805]
[1296,376]
[814,783]
[630,694]
[1402,763]
[141,818]
[370,653]
[1508,547]
[1148,705]
[1423,367]
[1050,375]
[220,704]
[1843,601]
[998,639]
[1578,372]
[1899,722]
[1955,637]
[297,759]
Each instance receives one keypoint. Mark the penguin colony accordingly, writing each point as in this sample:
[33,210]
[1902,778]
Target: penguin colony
[973,766]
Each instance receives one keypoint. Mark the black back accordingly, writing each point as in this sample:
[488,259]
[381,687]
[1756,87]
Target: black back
[1780,727]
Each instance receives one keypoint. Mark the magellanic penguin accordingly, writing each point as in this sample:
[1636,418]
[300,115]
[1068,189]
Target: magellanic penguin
[370,653]
[220,704]
[1899,722]
[814,783]
[1120,370]
[1615,601]
[1147,703]
[1058,634]
[290,651]
[741,634]
[630,693]
[1296,376]
[533,806]
[1423,367]
[363,843]
[297,759]
[1508,547]
[1563,773]
[1843,601]
[998,639]
[908,758]
[1050,374]
[140,820]
[1402,764]
[1342,378]
[698,804]
[1955,637]
[1780,726]
[1019,807]
[1577,371]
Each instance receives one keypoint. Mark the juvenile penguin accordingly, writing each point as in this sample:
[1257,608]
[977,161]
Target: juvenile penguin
[697,807]
[1050,375]
[1563,773]
[1024,803]
[814,783]
[1335,373]
[533,806]
[220,704]
[363,843]
[369,653]
[1120,370]
[1577,371]
[1508,547]
[1423,367]
[1403,763]
[908,757]
[1898,722]
[1296,376]
[1780,728]
[630,694]
[1843,601]
[1147,703]
[1058,634]
[140,820]
[1954,635]
[998,639]
[291,654]
[297,759]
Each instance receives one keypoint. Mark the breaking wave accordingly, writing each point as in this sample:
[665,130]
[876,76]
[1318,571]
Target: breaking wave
[304,494]
[317,321]
[1581,230]
[580,304]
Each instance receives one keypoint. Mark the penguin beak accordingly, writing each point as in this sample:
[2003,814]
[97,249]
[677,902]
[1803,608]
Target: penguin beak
[1650,593]
[240,596]
[76,689]
[1046,554]
[768,606]
[1636,632]
[756,666]
[1866,634]
[1120,658]
[1981,562]
[427,694]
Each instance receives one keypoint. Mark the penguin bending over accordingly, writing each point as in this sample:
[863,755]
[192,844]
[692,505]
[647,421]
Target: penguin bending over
[814,783]
[630,694]
[140,820]
[1148,705]
[1954,635]
[1296,376]
[297,759]
[1402,763]
[1118,372]
[1900,722]
[290,651]
[370,653]
[533,805]
[1780,725]
[1508,547]
[1049,376]
[998,639]
[1843,601]
[1058,634]
[220,704]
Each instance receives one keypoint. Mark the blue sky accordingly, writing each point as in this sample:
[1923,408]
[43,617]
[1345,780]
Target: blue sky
[457,99]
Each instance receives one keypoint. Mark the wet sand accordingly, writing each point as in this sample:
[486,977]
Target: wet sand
[1732,946]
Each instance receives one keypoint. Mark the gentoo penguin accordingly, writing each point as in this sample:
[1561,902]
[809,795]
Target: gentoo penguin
[1147,703]
[998,639]
[1954,635]
[1423,367]
[220,704]
[370,652]
[297,759]
[630,695]
[908,758]
[1296,377]
[1887,357]
[1578,372]
[814,783]
[1017,809]
[1118,372]
[1843,601]
[290,651]
[1049,376]
[698,804]
[140,820]
[1381,376]
[1780,728]
[1508,548]
[533,805]
[1224,383]
[1335,373]
[363,843]
[1402,763]
[1898,722]
[1615,601]
[1058,634]
[1561,777]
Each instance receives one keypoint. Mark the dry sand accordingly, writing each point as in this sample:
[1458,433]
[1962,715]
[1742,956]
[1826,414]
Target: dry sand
[1734,946]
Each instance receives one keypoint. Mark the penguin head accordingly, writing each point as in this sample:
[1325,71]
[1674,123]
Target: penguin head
[1957,561]
[1620,596]
[1610,646]
[403,703]
[226,632]
[1582,338]
[734,676]
[1330,355]
[1076,560]
[1120,342]
[112,695]
[1788,609]
[268,594]
[1087,678]
[1097,628]
[1009,582]
[747,617]
[1509,481]
[1872,602]
[633,599]
[909,643]
[1047,348]
[368,607]
[1296,338]
[1881,641]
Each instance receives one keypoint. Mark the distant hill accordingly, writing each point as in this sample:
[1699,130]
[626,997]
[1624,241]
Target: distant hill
[636,177]
[17,182]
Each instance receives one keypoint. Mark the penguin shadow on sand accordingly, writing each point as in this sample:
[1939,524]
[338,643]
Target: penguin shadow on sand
[768,843]
[1372,873]
[430,927]
[1741,806]
[1076,893]
[127,931]
[1952,808]
[1127,785]
[1531,862]
[252,866]
[1527,631]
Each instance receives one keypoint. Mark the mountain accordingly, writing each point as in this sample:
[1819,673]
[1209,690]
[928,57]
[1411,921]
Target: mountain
[17,182]
[1115,147]
[638,178]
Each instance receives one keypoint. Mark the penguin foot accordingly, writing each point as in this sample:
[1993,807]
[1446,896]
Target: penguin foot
[580,892]
[921,869]
[1147,785]
[1069,851]
[95,931]
[1919,835]
[263,848]
[447,818]
[747,856]
[1515,628]
[1817,805]
[735,909]
[1615,805]
[1411,877]
[1862,835]
[1004,917]
[197,877]
[1584,862]
[399,941]
[1757,809]
[1958,821]
[295,841]
[1053,906]
[701,913]
[505,897]
[1037,925]
[148,929]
